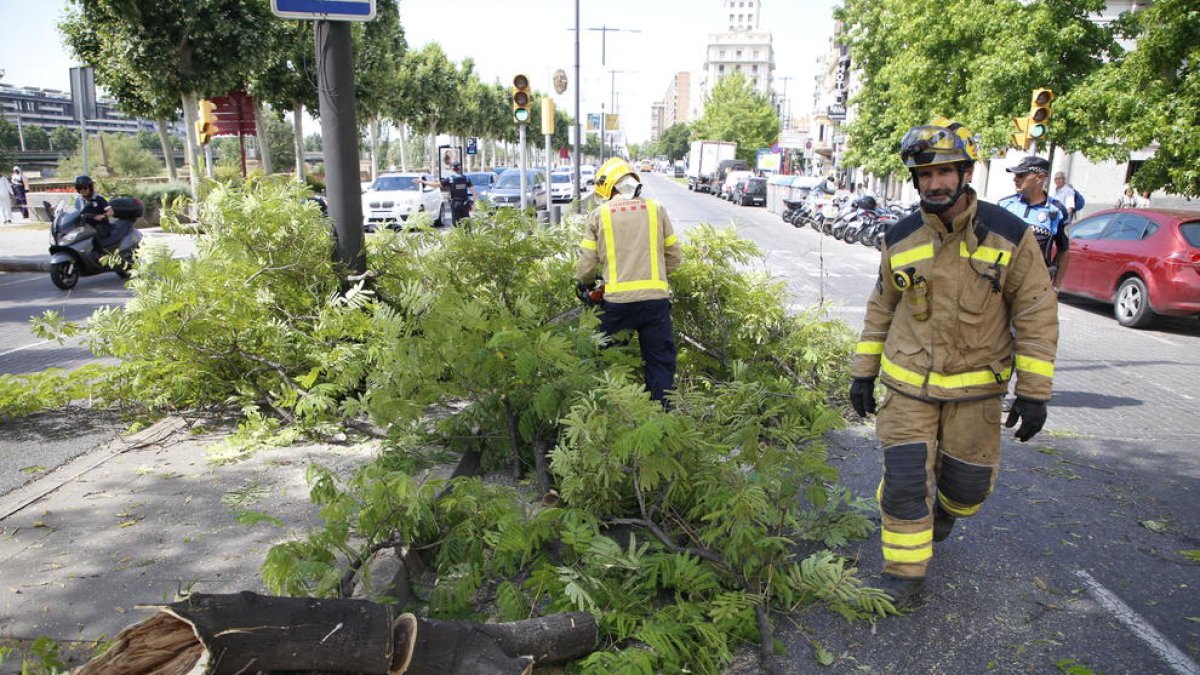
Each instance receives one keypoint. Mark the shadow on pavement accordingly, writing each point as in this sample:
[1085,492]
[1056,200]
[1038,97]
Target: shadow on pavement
[1089,399]
[1004,593]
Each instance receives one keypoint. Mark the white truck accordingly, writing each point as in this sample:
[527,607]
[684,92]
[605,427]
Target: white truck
[703,161]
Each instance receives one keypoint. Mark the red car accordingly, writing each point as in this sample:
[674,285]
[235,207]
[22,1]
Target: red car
[1144,261]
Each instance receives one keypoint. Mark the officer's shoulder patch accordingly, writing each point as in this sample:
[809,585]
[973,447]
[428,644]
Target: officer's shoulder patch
[1000,221]
[903,229]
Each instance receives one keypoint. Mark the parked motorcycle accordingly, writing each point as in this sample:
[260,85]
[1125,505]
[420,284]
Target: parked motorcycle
[78,249]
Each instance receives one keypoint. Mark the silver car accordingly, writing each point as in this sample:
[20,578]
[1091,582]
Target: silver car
[507,189]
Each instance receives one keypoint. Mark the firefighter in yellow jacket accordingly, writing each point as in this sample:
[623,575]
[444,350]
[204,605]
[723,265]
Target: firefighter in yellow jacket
[631,241]
[963,301]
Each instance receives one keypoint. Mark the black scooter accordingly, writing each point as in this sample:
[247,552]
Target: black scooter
[77,251]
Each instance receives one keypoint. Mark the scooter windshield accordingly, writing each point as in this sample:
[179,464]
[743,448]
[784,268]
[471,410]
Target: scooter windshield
[68,215]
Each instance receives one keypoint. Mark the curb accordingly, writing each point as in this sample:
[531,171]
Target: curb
[24,264]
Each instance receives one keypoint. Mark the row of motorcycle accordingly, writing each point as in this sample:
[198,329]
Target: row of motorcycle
[862,220]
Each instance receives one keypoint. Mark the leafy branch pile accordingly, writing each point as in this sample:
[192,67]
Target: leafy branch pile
[683,531]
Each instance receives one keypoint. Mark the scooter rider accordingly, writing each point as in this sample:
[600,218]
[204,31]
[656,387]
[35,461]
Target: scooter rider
[962,300]
[96,210]
[462,191]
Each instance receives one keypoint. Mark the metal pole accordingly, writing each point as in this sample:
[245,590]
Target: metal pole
[208,160]
[83,142]
[335,84]
[521,154]
[603,132]
[577,159]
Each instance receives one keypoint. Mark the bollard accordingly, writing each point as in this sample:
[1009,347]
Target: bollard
[555,214]
[543,217]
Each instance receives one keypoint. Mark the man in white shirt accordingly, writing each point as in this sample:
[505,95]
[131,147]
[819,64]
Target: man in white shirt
[1065,194]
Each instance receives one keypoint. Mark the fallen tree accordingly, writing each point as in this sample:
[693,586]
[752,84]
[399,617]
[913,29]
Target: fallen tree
[686,533]
[247,632]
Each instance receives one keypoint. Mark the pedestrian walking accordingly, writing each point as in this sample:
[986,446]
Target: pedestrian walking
[6,201]
[962,301]
[20,188]
[1045,215]
[632,241]
[1066,195]
[1128,199]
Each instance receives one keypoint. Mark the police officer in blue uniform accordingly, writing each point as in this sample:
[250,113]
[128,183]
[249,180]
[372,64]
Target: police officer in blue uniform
[462,192]
[1045,215]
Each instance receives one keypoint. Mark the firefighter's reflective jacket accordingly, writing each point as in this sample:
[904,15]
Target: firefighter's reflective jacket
[956,310]
[633,245]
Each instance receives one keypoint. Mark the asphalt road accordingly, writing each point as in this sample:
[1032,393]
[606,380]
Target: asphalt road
[1076,556]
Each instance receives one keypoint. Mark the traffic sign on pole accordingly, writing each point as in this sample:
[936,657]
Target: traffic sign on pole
[326,10]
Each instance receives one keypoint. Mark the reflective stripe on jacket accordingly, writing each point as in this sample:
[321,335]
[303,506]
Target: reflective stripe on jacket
[632,243]
[977,278]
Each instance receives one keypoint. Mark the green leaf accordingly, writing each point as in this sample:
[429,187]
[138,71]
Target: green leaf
[252,518]
[1159,526]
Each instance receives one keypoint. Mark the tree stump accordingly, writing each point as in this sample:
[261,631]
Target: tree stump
[246,632]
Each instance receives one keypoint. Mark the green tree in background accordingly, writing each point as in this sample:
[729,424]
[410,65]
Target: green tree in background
[974,60]
[735,112]
[1149,96]
[675,141]
[126,158]
[65,140]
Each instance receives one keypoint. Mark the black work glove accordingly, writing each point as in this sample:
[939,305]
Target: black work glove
[1032,415]
[862,396]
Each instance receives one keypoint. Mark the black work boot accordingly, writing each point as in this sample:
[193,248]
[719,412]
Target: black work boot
[904,590]
[943,522]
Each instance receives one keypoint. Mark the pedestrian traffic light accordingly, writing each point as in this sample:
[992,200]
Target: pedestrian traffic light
[1020,137]
[1039,112]
[521,100]
[206,126]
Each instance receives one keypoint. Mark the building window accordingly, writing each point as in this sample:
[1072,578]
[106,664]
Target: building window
[730,19]
[754,69]
[721,68]
[722,56]
[739,54]
[749,18]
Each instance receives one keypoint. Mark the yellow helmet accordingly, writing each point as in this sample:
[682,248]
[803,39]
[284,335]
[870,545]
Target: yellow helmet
[609,174]
[942,141]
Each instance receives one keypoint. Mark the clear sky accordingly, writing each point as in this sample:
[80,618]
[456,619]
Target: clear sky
[505,37]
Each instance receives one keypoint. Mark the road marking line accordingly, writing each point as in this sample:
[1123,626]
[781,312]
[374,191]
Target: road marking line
[24,347]
[1158,643]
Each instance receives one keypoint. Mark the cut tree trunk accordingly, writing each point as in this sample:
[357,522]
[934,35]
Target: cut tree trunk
[433,647]
[246,632]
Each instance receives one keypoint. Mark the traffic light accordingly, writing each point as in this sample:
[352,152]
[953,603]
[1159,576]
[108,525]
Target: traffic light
[1020,137]
[206,126]
[1039,112]
[521,100]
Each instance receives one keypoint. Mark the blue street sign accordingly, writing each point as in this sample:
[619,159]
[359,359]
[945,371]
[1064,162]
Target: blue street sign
[472,145]
[328,10]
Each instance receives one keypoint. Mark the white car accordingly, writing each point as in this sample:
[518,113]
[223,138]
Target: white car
[395,197]
[562,188]
[587,177]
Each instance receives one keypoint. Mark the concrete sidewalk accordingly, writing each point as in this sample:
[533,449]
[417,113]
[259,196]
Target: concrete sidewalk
[140,520]
[25,246]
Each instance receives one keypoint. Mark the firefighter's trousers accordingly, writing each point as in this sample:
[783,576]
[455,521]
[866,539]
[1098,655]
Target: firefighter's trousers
[931,450]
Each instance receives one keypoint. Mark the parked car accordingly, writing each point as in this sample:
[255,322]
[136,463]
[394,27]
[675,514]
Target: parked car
[587,177]
[725,191]
[750,191]
[562,187]
[507,190]
[483,182]
[1144,261]
[394,197]
[679,170]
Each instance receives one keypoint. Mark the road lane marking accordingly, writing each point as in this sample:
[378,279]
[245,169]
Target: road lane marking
[24,347]
[1160,645]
